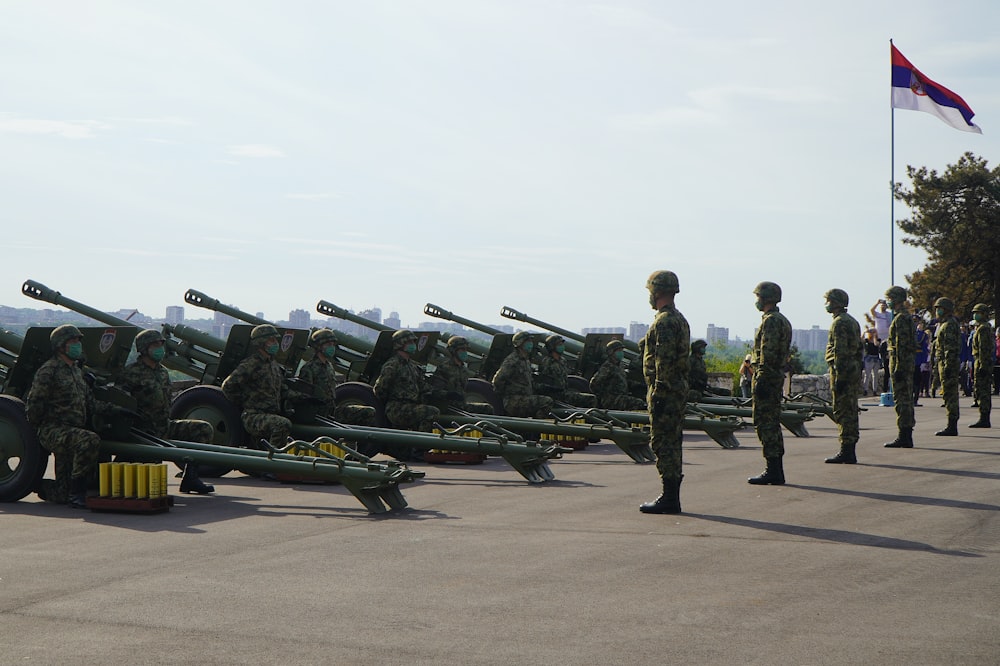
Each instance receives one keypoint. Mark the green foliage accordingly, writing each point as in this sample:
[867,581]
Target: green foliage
[814,362]
[720,357]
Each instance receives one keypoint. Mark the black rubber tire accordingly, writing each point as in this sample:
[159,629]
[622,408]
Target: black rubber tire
[480,390]
[578,384]
[359,393]
[209,404]
[22,459]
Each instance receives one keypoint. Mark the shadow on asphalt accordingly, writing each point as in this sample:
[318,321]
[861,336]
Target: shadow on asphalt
[936,470]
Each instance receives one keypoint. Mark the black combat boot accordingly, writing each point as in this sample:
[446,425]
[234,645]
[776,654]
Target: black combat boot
[78,492]
[846,456]
[774,475]
[951,430]
[904,440]
[669,501]
[983,422]
[192,483]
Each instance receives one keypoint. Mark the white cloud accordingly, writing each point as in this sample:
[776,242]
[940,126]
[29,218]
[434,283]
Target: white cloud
[79,129]
[255,150]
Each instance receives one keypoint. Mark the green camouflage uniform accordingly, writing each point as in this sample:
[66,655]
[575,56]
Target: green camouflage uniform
[610,384]
[902,345]
[698,374]
[947,345]
[401,386]
[553,374]
[845,353]
[451,376]
[983,349]
[151,389]
[512,382]
[322,376]
[59,406]
[770,353]
[257,386]
[665,357]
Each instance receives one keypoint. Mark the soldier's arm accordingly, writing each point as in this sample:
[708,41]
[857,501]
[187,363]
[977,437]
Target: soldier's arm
[38,396]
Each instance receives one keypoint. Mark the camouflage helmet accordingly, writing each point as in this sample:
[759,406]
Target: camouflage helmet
[981,307]
[553,341]
[945,304]
[520,338]
[60,335]
[261,333]
[664,282]
[768,292]
[837,297]
[699,343]
[147,338]
[895,294]
[457,342]
[401,337]
[321,336]
[614,346]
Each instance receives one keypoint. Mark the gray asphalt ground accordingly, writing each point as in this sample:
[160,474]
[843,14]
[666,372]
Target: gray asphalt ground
[892,561]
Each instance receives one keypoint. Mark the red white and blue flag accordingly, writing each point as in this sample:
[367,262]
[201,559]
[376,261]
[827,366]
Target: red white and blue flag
[914,91]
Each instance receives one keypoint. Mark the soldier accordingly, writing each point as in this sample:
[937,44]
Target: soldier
[450,377]
[983,349]
[257,386]
[512,381]
[553,375]
[148,382]
[665,367]
[902,349]
[844,354]
[770,354]
[947,344]
[610,383]
[59,404]
[402,387]
[320,373]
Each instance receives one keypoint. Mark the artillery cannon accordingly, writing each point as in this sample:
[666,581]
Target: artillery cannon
[23,460]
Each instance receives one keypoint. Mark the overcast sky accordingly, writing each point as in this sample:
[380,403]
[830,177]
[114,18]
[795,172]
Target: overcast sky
[544,155]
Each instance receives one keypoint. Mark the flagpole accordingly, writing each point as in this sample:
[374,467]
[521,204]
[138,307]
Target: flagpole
[892,188]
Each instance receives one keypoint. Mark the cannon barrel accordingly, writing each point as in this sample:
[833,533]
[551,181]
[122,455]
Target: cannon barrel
[202,300]
[441,313]
[196,337]
[330,310]
[11,341]
[511,313]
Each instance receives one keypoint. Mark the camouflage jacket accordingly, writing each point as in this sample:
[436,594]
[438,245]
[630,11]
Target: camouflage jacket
[402,380]
[256,385]
[844,347]
[451,376]
[771,346]
[610,380]
[513,377]
[151,389]
[666,352]
[947,345]
[59,396]
[322,376]
[697,373]
[984,345]
[553,374]
[902,342]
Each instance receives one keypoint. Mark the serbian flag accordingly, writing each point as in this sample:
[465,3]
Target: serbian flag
[914,91]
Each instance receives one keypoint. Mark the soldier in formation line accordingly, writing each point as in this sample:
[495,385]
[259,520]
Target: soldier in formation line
[983,351]
[451,376]
[770,353]
[401,385]
[610,383]
[553,375]
[257,386]
[844,354]
[512,382]
[320,374]
[947,345]
[902,347]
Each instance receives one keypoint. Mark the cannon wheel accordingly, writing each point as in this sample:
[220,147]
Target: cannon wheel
[482,391]
[578,384]
[359,393]
[207,403]
[22,459]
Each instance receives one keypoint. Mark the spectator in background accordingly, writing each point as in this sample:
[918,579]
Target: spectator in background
[872,362]
[746,376]
[882,317]
[921,359]
[996,366]
[965,361]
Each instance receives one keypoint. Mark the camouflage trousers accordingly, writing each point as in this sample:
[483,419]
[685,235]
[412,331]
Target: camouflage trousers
[981,389]
[75,450]
[262,425]
[666,436]
[578,399]
[528,406]
[949,391]
[191,430]
[411,415]
[844,389]
[625,403]
[902,394]
[362,415]
[766,414]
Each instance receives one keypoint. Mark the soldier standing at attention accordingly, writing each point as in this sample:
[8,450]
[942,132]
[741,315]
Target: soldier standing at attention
[512,381]
[665,366]
[610,383]
[257,386]
[947,345]
[844,354]
[902,348]
[553,374]
[982,351]
[770,354]
[58,405]
[320,373]
[148,382]
[452,374]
